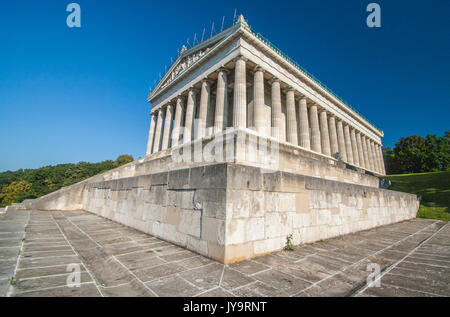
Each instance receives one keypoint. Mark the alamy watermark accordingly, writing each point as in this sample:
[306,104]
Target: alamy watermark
[74,18]
[74,278]
[374,18]
[373,280]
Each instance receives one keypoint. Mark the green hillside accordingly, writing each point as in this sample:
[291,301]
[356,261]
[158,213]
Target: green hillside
[33,183]
[434,189]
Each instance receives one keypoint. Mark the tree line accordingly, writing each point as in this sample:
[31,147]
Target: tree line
[33,183]
[417,154]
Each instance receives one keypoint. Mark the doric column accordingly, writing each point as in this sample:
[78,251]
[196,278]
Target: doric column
[151,134]
[205,101]
[315,130]
[382,165]
[276,109]
[341,141]
[258,101]
[360,150]
[159,125]
[333,135]
[348,144]
[220,121]
[366,153]
[167,127]
[354,147]
[177,122]
[324,133]
[370,152]
[291,121]
[189,120]
[304,124]
[375,157]
[240,94]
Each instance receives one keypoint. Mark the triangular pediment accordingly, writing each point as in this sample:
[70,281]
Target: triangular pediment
[190,57]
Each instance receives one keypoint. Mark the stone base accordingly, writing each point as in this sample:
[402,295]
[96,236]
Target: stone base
[231,212]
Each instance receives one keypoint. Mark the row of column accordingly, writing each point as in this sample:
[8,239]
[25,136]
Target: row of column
[310,127]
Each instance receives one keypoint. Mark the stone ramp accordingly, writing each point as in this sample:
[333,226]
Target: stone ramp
[12,231]
[114,260]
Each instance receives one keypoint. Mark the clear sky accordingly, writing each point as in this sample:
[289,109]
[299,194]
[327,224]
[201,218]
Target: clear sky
[79,94]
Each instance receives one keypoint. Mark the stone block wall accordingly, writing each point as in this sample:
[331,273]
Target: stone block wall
[231,212]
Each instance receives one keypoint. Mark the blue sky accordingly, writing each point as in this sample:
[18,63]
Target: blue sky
[70,95]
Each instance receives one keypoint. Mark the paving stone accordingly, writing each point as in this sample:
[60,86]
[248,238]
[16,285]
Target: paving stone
[182,255]
[31,284]
[284,282]
[249,267]
[392,291]
[416,284]
[232,279]
[205,277]
[173,286]
[217,292]
[140,260]
[159,271]
[195,262]
[85,290]
[131,289]
[52,261]
[259,289]
[44,271]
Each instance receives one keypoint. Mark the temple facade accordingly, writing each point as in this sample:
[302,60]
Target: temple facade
[237,79]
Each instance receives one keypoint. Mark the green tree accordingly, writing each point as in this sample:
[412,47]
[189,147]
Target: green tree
[123,159]
[15,192]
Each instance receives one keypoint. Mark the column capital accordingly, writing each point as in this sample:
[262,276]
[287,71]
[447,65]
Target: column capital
[289,89]
[223,69]
[258,68]
[274,80]
[207,80]
[241,57]
[193,90]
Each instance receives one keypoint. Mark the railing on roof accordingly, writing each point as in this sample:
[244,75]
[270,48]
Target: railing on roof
[311,76]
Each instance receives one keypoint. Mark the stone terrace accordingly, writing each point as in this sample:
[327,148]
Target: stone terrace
[37,246]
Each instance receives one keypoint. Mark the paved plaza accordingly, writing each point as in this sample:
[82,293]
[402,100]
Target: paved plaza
[36,248]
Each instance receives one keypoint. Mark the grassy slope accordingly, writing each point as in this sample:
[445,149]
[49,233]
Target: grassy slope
[434,189]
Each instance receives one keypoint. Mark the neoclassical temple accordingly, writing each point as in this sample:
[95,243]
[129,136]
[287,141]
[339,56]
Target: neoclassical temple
[237,94]
[237,79]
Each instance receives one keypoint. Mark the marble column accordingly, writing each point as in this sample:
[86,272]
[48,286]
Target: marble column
[240,93]
[370,152]
[177,122]
[348,144]
[189,120]
[220,120]
[159,126]
[324,133]
[291,121]
[376,167]
[333,135]
[304,124]
[315,130]
[341,141]
[360,150]
[377,154]
[382,165]
[366,153]
[205,101]
[276,109]
[167,128]
[151,134]
[258,101]
[354,147]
